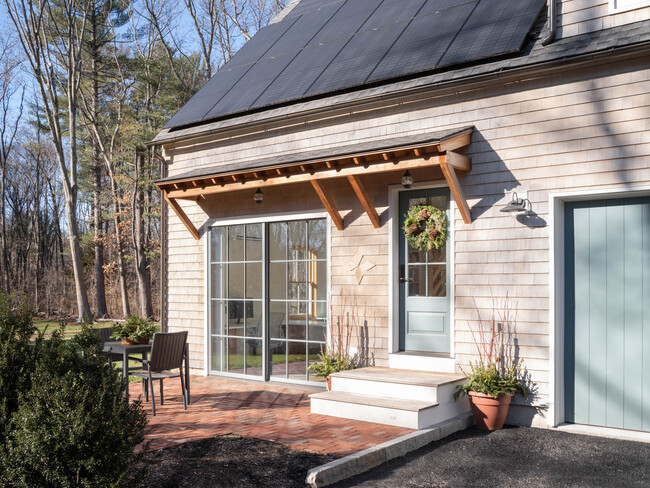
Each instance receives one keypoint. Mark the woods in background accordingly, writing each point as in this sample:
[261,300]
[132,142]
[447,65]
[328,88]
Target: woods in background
[84,85]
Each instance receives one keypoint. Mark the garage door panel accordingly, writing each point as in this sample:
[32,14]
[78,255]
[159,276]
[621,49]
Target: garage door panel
[615,303]
[607,323]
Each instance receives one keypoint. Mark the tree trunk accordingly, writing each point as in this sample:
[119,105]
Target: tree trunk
[141,260]
[3,228]
[102,310]
[124,291]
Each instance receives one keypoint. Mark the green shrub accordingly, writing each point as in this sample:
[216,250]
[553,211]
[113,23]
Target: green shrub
[73,427]
[17,355]
[134,328]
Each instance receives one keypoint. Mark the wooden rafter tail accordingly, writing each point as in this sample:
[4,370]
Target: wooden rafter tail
[178,210]
[362,195]
[328,203]
[455,188]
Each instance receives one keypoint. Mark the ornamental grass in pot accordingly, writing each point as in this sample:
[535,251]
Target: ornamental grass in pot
[495,377]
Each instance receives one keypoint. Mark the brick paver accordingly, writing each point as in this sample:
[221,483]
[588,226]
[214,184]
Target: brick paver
[274,413]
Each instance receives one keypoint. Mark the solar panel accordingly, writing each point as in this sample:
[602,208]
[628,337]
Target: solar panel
[423,42]
[495,27]
[322,46]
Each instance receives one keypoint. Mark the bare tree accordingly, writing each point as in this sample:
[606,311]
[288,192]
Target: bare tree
[9,65]
[52,36]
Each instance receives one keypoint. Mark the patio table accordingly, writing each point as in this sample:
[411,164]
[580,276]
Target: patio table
[125,350]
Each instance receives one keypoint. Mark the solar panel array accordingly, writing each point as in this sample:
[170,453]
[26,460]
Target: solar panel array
[323,46]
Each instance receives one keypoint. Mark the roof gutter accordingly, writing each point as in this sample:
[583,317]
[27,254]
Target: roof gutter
[552,23]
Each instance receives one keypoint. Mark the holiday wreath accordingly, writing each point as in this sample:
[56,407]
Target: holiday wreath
[425,227]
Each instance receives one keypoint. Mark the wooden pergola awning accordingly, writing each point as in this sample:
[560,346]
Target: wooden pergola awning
[432,150]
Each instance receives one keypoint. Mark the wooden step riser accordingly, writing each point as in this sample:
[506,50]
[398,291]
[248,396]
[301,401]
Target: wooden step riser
[386,416]
[433,394]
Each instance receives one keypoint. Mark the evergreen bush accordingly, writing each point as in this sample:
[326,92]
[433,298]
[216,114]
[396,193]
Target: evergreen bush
[72,427]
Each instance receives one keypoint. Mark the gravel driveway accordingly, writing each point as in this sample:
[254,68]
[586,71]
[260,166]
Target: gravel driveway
[516,457]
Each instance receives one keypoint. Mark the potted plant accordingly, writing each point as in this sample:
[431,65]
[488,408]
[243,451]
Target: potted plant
[134,330]
[336,357]
[494,377]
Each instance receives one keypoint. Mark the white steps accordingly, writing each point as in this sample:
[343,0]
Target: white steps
[404,398]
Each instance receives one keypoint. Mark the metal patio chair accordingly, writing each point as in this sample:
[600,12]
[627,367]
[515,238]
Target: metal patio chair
[167,350]
[104,334]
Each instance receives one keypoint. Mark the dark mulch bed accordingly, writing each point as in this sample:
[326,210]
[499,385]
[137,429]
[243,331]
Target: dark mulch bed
[229,461]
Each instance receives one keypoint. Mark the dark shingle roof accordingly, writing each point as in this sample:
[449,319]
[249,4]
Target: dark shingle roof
[323,46]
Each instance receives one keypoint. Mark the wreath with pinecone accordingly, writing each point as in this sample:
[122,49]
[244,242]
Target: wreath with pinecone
[425,227]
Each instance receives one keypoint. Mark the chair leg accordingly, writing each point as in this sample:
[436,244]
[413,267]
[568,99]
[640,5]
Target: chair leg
[153,397]
[162,398]
[184,391]
[145,390]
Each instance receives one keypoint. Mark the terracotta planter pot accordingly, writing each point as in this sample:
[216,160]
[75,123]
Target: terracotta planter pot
[329,383]
[131,342]
[489,412]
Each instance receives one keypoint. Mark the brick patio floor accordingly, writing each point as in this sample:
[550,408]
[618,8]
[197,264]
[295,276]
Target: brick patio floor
[271,412]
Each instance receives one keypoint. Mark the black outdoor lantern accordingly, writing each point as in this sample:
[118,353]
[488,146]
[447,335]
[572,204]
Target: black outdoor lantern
[407,180]
[258,196]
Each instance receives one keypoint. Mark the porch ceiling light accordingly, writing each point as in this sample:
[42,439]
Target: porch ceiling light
[258,196]
[516,205]
[407,180]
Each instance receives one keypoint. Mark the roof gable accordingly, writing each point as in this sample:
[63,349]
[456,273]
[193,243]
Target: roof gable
[325,46]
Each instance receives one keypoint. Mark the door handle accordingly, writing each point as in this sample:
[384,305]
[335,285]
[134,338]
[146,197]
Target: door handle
[402,274]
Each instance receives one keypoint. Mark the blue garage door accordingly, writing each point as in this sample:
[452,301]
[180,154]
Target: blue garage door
[607,303]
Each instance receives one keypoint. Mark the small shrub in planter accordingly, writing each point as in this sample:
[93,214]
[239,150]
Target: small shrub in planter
[134,330]
[73,427]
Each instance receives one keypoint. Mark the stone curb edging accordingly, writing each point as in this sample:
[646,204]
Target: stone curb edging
[363,461]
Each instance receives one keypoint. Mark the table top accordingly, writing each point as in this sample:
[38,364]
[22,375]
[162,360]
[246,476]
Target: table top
[118,347]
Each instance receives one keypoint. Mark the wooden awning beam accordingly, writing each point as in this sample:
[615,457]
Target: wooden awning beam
[328,203]
[182,215]
[455,188]
[362,195]
[322,174]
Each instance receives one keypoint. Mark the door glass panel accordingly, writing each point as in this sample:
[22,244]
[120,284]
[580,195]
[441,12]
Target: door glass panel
[416,256]
[218,354]
[236,243]
[216,241]
[236,319]
[277,320]
[254,280]
[438,202]
[235,281]
[437,276]
[278,359]
[313,349]
[217,281]
[297,320]
[236,355]
[297,367]
[321,281]
[437,255]
[278,241]
[417,201]
[254,242]
[317,237]
[297,235]
[317,327]
[254,322]
[217,317]
[254,357]
[278,281]
[417,281]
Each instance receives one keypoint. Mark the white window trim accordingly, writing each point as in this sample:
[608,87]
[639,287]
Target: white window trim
[257,219]
[393,271]
[618,6]
[556,200]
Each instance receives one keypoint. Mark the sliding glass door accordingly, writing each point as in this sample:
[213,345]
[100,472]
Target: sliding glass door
[268,298]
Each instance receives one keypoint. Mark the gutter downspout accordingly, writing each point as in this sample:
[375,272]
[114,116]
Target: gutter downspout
[552,27]
[163,246]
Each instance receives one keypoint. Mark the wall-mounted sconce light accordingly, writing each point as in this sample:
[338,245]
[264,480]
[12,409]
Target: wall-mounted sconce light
[516,205]
[407,180]
[258,196]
